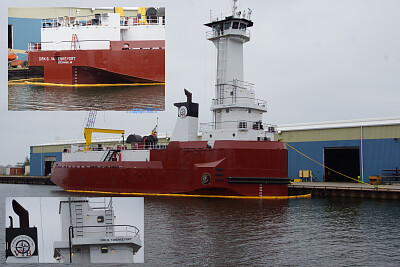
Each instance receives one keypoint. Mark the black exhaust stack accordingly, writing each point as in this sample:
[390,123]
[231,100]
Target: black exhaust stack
[21,242]
[22,213]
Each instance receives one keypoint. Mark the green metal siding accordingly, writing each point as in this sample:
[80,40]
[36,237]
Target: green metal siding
[352,133]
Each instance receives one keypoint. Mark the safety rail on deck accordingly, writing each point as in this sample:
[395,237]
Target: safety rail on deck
[236,84]
[69,45]
[390,176]
[100,203]
[99,20]
[217,33]
[239,100]
[118,230]
[241,125]
[132,146]
[132,21]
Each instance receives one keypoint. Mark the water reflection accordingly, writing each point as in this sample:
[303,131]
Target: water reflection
[216,230]
[230,232]
[122,98]
[298,232]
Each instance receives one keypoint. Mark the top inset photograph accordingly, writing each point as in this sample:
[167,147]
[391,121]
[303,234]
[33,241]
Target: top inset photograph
[72,58]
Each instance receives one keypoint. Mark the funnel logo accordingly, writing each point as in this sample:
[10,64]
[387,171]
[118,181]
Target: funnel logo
[182,112]
[22,246]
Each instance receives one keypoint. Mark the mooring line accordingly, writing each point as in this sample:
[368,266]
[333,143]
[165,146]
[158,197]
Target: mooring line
[326,166]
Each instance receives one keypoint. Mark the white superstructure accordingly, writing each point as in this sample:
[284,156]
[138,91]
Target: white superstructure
[89,235]
[97,31]
[237,114]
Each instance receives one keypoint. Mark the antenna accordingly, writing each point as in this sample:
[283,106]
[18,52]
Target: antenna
[234,8]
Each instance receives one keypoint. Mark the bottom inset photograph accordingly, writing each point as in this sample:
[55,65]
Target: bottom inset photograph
[74,230]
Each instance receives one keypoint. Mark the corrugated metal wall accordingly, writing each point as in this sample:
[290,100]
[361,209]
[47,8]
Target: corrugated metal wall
[24,31]
[37,162]
[380,147]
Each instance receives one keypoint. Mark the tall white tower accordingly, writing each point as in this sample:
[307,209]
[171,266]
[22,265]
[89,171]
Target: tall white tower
[237,114]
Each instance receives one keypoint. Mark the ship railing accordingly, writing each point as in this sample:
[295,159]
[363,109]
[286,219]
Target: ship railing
[132,21]
[237,84]
[117,230]
[220,32]
[70,45]
[239,100]
[67,21]
[101,203]
[148,146]
[107,147]
[239,124]
[99,20]
[132,146]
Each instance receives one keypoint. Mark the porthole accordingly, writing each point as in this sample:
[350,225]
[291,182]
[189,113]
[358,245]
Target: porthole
[205,178]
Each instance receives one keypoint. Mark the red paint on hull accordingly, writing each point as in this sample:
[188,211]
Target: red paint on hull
[248,168]
[144,62]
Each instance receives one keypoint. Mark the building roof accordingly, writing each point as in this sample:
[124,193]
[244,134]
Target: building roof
[340,124]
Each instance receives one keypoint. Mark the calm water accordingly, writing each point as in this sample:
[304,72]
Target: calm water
[226,232]
[122,98]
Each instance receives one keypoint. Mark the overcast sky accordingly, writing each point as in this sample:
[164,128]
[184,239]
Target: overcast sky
[43,213]
[312,61]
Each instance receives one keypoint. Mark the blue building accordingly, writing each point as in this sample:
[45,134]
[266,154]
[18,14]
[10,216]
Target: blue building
[21,31]
[357,149]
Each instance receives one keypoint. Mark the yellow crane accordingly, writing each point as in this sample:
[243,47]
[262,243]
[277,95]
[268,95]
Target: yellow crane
[88,135]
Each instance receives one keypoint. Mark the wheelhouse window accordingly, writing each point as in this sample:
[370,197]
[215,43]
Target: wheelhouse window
[227,25]
[235,25]
[242,26]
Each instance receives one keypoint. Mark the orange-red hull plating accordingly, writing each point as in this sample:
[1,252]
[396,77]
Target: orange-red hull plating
[141,62]
[242,168]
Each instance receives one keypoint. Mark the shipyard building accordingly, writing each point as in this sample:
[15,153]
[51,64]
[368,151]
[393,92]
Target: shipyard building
[360,149]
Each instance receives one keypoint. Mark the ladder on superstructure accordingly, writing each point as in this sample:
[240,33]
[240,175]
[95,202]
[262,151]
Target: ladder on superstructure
[79,218]
[110,155]
[221,68]
[234,87]
[75,42]
[109,219]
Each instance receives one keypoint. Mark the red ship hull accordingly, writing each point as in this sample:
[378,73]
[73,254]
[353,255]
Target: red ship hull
[237,168]
[143,62]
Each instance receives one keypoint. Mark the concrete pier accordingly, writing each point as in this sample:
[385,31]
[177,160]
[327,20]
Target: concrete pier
[25,73]
[17,179]
[355,190]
